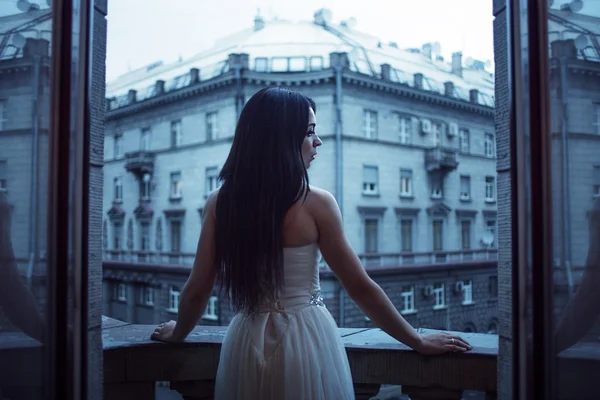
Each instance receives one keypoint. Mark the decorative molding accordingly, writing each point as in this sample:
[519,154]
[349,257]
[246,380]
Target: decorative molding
[465,213]
[371,210]
[407,211]
[438,210]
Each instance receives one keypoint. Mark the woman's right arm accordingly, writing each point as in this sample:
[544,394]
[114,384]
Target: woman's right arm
[369,296]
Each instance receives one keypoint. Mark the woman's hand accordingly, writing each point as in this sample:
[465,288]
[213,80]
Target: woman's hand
[442,342]
[164,333]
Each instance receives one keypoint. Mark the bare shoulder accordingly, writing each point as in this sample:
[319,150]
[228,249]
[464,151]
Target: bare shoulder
[211,203]
[321,201]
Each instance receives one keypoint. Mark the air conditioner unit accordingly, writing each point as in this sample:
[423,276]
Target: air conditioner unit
[428,290]
[459,286]
[452,129]
[425,126]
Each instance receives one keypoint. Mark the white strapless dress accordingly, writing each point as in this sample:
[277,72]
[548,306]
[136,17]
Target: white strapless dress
[289,351]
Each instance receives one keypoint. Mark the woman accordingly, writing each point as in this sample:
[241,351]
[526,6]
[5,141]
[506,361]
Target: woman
[261,236]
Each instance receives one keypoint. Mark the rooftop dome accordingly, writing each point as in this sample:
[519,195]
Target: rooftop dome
[281,46]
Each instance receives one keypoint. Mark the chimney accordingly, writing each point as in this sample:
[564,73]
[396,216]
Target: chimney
[418,82]
[194,75]
[338,60]
[426,50]
[474,96]
[259,21]
[449,89]
[563,48]
[159,87]
[457,63]
[132,96]
[386,72]
[36,47]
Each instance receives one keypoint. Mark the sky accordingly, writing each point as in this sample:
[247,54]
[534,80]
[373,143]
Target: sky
[141,32]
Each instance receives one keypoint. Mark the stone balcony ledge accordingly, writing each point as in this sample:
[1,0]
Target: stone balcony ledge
[133,364]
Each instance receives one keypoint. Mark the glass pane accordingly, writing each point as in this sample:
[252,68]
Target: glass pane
[40,243]
[573,38]
[24,110]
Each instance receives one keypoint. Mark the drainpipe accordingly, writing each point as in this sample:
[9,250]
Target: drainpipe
[239,89]
[338,68]
[33,208]
[338,136]
[566,203]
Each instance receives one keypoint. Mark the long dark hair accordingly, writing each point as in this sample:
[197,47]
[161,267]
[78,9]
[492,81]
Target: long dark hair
[264,175]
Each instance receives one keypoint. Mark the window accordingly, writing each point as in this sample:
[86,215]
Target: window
[406,232]
[405,129]
[122,292]
[174,294]
[370,124]
[175,236]
[408,299]
[371,235]
[490,226]
[261,64]
[297,64]
[145,236]
[118,146]
[212,179]
[596,188]
[490,184]
[436,134]
[3,175]
[406,182]
[493,286]
[465,187]
[316,63]
[438,235]
[279,64]
[465,234]
[437,187]
[489,145]
[2,114]
[467,292]
[597,123]
[463,135]
[118,236]
[211,309]
[439,295]
[145,142]
[146,187]
[176,185]
[147,295]
[370,179]
[212,128]
[118,189]
[176,134]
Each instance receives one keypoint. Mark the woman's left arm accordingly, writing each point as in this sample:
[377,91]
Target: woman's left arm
[199,286]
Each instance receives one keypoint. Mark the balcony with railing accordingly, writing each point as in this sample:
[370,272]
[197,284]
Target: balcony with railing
[133,364]
[441,159]
[139,162]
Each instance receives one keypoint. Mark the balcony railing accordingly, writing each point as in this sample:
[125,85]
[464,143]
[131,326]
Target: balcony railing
[133,364]
[139,162]
[150,257]
[440,159]
[427,258]
[367,259]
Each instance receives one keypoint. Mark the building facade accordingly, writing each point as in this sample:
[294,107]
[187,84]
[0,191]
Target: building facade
[24,123]
[409,151]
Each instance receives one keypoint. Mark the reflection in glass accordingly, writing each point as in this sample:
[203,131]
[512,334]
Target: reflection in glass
[573,36]
[25,69]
